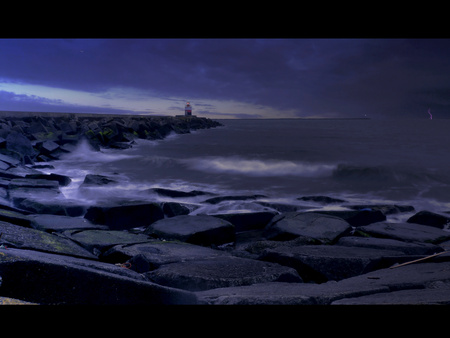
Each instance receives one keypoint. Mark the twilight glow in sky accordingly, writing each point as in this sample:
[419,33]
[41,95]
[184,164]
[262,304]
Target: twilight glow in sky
[228,78]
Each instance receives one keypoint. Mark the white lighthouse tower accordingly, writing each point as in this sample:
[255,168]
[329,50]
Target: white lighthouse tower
[188,109]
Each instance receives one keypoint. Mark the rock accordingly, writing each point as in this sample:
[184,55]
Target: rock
[216,200]
[413,278]
[69,280]
[431,219]
[157,253]
[280,207]
[48,147]
[276,293]
[16,217]
[407,232]
[321,199]
[25,238]
[386,209]
[19,144]
[439,296]
[62,180]
[52,205]
[202,230]
[407,248]
[33,183]
[125,215]
[356,217]
[58,223]
[322,228]
[320,263]
[11,161]
[172,209]
[177,193]
[101,240]
[92,179]
[45,195]
[248,220]
[220,272]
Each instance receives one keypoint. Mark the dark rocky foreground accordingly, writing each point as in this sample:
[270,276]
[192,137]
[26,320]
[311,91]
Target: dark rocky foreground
[55,251]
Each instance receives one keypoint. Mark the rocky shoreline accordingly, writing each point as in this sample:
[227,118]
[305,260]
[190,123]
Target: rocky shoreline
[133,251]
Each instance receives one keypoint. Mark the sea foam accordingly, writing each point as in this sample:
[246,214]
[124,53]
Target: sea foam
[253,167]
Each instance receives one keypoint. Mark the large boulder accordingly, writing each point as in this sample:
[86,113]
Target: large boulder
[220,272]
[97,180]
[321,199]
[60,223]
[97,241]
[356,217]
[152,254]
[431,219]
[202,230]
[322,228]
[245,221]
[51,204]
[56,279]
[390,244]
[417,279]
[220,199]
[19,144]
[177,193]
[407,232]
[125,215]
[320,263]
[63,180]
[25,238]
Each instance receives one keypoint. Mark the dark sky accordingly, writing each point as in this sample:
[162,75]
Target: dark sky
[229,78]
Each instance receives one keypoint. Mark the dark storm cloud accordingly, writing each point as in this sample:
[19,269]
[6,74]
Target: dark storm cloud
[312,76]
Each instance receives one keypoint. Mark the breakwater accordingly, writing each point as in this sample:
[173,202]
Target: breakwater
[40,138]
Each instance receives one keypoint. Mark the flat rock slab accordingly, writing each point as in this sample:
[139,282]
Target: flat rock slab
[276,293]
[56,279]
[439,296]
[407,232]
[125,214]
[100,240]
[52,204]
[323,228]
[19,237]
[414,278]
[220,272]
[246,221]
[157,253]
[33,183]
[59,223]
[320,263]
[356,217]
[202,230]
[407,248]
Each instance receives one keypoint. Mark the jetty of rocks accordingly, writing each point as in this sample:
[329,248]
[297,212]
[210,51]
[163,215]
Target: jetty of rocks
[56,251]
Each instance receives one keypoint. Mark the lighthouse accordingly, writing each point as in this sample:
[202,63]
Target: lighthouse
[188,109]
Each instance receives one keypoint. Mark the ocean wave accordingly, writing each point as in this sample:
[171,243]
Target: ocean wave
[85,153]
[259,168]
[388,174]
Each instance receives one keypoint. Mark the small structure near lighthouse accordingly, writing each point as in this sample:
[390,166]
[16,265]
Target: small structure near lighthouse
[188,109]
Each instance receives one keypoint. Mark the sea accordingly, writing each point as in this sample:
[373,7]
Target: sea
[360,161]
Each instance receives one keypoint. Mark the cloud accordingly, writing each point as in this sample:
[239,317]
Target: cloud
[300,77]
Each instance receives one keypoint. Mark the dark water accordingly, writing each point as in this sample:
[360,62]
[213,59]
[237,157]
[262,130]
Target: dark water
[362,161]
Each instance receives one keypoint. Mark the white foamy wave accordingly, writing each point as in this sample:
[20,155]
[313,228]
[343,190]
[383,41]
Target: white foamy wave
[85,153]
[251,167]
